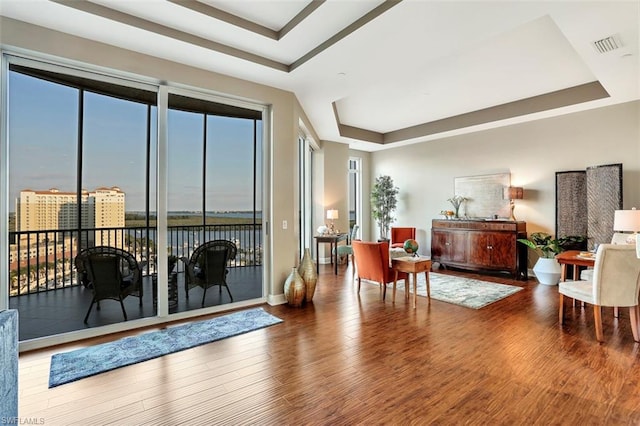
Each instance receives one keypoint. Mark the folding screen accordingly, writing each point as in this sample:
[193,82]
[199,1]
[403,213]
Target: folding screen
[604,197]
[571,203]
[586,202]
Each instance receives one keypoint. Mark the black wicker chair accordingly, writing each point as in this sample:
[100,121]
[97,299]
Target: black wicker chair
[207,266]
[111,273]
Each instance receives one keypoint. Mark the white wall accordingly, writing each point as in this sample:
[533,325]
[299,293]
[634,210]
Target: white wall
[533,152]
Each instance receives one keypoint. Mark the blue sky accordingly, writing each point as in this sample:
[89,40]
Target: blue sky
[43,139]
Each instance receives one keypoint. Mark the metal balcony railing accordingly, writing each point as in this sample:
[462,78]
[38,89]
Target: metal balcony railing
[43,260]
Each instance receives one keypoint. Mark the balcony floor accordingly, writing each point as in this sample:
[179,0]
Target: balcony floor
[62,311]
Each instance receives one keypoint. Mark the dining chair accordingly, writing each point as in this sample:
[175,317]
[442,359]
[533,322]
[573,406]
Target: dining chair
[347,249]
[110,273]
[372,261]
[207,266]
[616,283]
[401,234]
[616,238]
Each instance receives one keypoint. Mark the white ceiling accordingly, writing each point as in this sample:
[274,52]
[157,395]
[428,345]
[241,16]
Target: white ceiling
[410,63]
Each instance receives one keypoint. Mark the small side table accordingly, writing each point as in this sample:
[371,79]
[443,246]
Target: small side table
[412,265]
[333,240]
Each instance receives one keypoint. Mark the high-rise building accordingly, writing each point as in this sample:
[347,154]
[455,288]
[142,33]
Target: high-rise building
[54,210]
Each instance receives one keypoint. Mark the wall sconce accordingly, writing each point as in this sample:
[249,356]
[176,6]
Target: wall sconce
[627,221]
[513,193]
[332,215]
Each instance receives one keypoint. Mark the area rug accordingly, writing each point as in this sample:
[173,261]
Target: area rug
[461,291]
[74,365]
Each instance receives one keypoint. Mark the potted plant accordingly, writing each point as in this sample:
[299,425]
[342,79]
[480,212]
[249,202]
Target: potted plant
[547,269]
[573,242]
[383,203]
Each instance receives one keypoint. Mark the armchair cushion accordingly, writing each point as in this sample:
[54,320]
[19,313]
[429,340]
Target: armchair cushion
[401,234]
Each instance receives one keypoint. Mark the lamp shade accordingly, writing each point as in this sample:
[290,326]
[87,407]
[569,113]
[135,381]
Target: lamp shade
[513,193]
[627,220]
[332,214]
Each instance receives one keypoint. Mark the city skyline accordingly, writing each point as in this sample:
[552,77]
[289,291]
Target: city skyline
[43,140]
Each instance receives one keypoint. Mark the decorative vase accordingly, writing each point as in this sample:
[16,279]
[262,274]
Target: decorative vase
[307,271]
[547,271]
[294,288]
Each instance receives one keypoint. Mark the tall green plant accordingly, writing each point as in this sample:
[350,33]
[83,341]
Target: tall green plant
[383,203]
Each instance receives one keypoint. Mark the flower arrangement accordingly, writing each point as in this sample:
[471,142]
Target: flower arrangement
[456,201]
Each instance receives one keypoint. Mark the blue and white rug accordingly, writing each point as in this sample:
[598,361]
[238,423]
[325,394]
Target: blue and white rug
[461,291]
[74,365]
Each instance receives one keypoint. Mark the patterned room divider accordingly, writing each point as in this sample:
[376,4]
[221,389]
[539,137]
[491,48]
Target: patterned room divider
[586,202]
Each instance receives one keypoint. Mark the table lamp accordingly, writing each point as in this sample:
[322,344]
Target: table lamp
[332,215]
[627,221]
[513,193]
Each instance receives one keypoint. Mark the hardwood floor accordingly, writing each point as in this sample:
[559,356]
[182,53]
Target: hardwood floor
[354,359]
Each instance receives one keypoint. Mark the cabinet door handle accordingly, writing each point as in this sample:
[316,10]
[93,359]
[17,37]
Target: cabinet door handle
[447,244]
[490,247]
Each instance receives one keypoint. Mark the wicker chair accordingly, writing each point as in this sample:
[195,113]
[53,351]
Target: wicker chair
[207,266]
[111,273]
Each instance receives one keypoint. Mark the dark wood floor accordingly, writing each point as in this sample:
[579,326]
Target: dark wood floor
[354,359]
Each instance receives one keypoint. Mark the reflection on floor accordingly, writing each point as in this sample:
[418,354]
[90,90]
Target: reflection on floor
[62,311]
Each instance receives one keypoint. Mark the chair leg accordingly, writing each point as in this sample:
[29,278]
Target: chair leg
[597,318]
[561,308]
[353,267]
[89,311]
[358,284]
[186,289]
[384,290]
[228,291]
[204,294]
[616,312]
[633,314]
[123,311]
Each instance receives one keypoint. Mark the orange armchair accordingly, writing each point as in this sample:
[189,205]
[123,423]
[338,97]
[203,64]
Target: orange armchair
[400,235]
[372,261]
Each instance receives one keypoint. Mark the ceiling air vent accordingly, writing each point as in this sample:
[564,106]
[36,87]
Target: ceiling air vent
[607,44]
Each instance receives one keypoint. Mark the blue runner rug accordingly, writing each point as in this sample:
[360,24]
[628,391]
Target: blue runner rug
[74,365]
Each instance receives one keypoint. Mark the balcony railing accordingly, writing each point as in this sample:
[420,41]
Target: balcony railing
[44,260]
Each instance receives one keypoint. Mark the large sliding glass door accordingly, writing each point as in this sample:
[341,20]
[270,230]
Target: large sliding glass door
[84,167]
[214,193]
[78,149]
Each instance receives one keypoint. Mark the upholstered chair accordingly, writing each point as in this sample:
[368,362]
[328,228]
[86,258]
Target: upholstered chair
[372,261]
[400,235]
[346,249]
[617,238]
[616,282]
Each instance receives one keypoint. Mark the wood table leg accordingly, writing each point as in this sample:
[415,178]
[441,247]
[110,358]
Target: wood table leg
[317,257]
[395,281]
[415,289]
[426,276]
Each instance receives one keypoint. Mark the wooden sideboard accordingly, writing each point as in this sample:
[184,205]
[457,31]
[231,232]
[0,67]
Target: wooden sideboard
[489,245]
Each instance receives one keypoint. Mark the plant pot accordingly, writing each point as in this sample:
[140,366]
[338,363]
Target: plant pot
[547,271]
